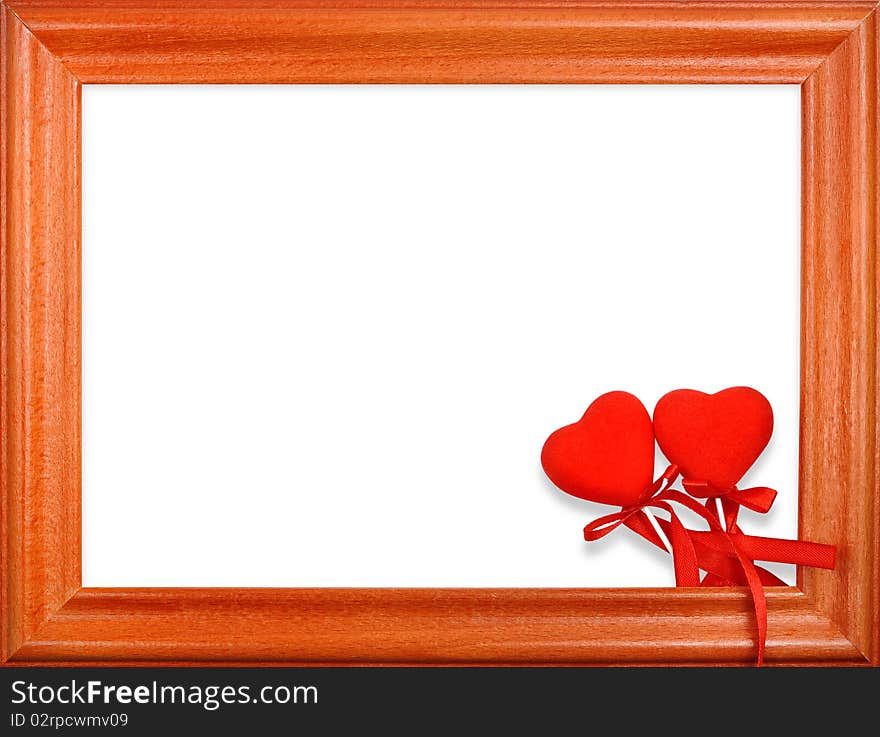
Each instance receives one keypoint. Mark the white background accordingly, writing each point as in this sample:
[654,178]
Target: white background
[326,330]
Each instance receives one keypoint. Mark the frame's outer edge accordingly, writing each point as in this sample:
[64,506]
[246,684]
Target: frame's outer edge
[62,43]
[840,497]
[874,186]
[40,327]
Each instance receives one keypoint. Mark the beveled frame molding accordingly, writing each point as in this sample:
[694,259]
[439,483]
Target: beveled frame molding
[52,47]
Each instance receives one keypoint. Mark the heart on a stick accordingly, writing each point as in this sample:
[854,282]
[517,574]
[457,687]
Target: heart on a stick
[713,437]
[607,456]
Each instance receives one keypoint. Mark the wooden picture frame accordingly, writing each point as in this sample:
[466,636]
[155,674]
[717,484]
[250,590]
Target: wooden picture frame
[52,47]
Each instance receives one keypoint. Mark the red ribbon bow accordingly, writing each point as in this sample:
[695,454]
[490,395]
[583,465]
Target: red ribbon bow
[656,495]
[757,498]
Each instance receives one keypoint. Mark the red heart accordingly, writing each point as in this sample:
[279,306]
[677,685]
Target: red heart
[713,437]
[607,456]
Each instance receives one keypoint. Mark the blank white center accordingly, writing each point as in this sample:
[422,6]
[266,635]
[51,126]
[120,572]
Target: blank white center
[326,330]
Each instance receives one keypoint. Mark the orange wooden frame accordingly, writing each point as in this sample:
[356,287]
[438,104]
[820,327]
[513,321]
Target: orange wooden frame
[52,47]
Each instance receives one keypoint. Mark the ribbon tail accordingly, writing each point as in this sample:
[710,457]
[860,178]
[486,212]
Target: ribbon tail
[684,557]
[639,524]
[731,512]
[725,571]
[753,580]
[800,552]
[777,550]
[758,598]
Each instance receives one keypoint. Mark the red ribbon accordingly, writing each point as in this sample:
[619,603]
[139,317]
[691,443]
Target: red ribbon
[724,552]
[757,498]
[684,557]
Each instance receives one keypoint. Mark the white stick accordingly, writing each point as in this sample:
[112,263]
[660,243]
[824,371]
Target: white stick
[659,530]
[720,507]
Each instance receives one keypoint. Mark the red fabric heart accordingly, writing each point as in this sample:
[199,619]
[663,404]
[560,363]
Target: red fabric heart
[607,456]
[713,437]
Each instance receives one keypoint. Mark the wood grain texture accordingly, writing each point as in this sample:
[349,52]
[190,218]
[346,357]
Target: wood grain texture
[442,42]
[449,626]
[840,491]
[40,418]
[51,46]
